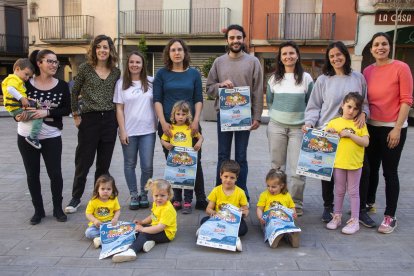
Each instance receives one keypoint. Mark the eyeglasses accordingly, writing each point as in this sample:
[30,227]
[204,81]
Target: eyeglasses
[51,61]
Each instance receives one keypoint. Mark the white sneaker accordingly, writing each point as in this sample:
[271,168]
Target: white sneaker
[97,242]
[198,232]
[335,222]
[125,256]
[239,245]
[148,245]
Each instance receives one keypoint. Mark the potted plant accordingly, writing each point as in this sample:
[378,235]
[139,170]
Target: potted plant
[209,112]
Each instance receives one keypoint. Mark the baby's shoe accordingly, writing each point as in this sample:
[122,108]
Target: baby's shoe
[97,242]
[148,245]
[335,222]
[33,142]
[125,256]
[352,226]
[239,245]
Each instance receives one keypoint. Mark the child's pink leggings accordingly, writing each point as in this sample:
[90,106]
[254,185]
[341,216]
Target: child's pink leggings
[347,180]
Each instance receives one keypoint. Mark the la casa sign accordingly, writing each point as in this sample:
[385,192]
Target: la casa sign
[389,18]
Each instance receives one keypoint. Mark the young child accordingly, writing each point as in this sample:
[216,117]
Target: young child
[103,207]
[159,227]
[348,161]
[277,192]
[228,192]
[181,119]
[15,98]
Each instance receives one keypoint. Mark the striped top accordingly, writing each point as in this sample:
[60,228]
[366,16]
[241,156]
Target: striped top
[287,101]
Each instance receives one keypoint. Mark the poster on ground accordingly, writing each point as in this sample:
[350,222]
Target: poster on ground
[235,108]
[279,221]
[317,154]
[221,231]
[181,167]
[115,239]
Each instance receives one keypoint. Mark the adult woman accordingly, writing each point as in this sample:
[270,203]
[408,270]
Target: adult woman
[390,88]
[54,95]
[96,119]
[137,125]
[288,90]
[338,80]
[175,82]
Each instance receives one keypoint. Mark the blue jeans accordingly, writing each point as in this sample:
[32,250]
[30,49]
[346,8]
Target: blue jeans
[92,232]
[144,144]
[241,140]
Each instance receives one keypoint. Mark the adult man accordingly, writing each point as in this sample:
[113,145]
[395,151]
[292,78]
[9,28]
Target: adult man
[233,69]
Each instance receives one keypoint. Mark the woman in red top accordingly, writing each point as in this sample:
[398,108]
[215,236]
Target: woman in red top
[390,88]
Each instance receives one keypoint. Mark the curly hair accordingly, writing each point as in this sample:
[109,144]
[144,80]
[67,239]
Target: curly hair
[184,107]
[92,58]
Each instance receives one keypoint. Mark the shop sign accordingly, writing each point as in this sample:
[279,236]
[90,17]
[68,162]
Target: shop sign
[389,17]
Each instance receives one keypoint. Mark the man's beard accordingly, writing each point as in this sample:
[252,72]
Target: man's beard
[241,47]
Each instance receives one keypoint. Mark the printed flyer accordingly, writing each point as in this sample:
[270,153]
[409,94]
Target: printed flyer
[221,231]
[235,108]
[181,167]
[279,220]
[117,238]
[317,154]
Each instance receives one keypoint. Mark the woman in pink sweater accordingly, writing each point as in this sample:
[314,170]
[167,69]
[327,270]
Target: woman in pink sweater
[390,89]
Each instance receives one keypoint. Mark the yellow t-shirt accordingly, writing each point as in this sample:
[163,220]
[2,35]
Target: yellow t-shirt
[181,136]
[237,198]
[166,215]
[349,155]
[267,200]
[104,211]
[16,82]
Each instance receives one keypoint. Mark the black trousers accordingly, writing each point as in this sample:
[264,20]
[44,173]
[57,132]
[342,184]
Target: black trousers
[51,152]
[379,153]
[242,230]
[96,135]
[328,187]
[141,238]
[199,181]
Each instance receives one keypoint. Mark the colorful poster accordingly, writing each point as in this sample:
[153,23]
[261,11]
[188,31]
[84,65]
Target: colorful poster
[279,220]
[317,154]
[181,167]
[221,231]
[116,238]
[235,108]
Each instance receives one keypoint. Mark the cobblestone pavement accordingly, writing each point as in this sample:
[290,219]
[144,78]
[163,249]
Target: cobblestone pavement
[55,248]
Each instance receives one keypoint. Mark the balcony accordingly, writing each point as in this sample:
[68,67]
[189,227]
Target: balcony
[393,4]
[14,45]
[73,29]
[300,26]
[201,22]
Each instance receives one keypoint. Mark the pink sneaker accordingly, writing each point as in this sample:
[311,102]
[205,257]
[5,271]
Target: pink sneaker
[388,225]
[335,222]
[352,226]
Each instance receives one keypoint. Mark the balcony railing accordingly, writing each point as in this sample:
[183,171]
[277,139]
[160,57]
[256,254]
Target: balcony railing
[184,21]
[300,26]
[14,44]
[66,29]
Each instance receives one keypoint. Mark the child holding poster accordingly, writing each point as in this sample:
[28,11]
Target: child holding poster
[349,160]
[102,207]
[229,193]
[159,227]
[181,119]
[277,193]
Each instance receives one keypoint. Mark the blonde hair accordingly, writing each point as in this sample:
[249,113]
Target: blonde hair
[159,184]
[184,107]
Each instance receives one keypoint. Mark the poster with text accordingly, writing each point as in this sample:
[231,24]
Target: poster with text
[181,167]
[317,154]
[115,239]
[221,231]
[235,108]
[279,221]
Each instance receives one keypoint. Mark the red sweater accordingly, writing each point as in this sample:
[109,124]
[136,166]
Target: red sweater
[389,86]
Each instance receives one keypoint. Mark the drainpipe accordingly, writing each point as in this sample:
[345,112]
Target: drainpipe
[118,36]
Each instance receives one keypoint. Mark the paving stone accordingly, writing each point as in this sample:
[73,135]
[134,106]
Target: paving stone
[15,270]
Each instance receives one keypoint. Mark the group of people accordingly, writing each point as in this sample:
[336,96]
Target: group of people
[373,109]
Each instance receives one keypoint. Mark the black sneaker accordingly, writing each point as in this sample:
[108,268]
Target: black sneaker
[366,220]
[143,201]
[33,142]
[201,204]
[72,206]
[327,214]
